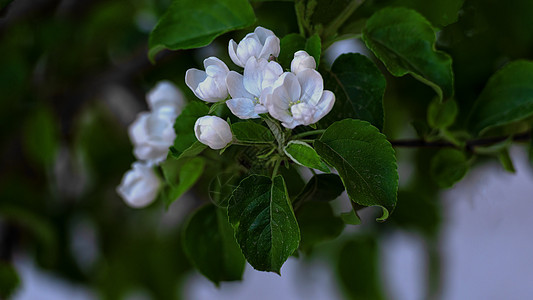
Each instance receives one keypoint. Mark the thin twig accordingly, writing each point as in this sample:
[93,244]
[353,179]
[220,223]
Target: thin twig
[414,143]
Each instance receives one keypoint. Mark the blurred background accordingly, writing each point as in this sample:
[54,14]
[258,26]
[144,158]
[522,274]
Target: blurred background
[73,76]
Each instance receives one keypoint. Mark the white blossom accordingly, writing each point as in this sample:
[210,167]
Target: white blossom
[302,61]
[139,186]
[249,92]
[165,98]
[209,85]
[299,99]
[213,132]
[262,43]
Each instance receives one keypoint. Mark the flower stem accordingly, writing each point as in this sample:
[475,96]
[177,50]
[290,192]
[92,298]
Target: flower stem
[308,133]
[341,18]
[276,167]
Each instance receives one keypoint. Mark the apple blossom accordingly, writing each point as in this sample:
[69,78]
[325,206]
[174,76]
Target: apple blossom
[213,132]
[151,134]
[249,92]
[299,99]
[302,61]
[166,98]
[139,186]
[262,43]
[209,85]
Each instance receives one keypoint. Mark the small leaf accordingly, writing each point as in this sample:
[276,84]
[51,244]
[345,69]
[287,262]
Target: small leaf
[289,44]
[448,166]
[184,127]
[317,224]
[507,98]
[252,132]
[189,24]
[181,176]
[264,222]
[359,87]
[313,47]
[358,268]
[321,187]
[351,218]
[442,114]
[209,244]
[304,155]
[195,149]
[365,161]
[506,161]
[405,42]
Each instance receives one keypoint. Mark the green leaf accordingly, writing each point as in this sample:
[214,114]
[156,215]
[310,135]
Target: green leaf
[321,187]
[289,44]
[507,98]
[264,222]
[359,87]
[195,149]
[9,280]
[313,47]
[184,127]
[209,244]
[365,161]
[405,42]
[442,114]
[506,161]
[317,224]
[181,176]
[222,186]
[304,155]
[4,3]
[41,137]
[252,132]
[448,166]
[351,218]
[191,24]
[358,268]
[416,211]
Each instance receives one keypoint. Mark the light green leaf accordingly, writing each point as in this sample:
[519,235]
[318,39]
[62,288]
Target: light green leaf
[317,224]
[405,42]
[191,24]
[264,222]
[506,161]
[507,98]
[181,176]
[184,128]
[304,155]
[448,166]
[252,132]
[442,114]
[209,244]
[365,161]
[358,268]
[313,47]
[195,149]
[359,87]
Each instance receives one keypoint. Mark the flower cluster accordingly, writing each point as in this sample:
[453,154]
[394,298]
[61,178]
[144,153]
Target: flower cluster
[294,98]
[152,133]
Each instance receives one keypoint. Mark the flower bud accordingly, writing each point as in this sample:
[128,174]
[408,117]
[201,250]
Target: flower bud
[139,186]
[209,85]
[302,61]
[166,98]
[151,134]
[262,43]
[213,132]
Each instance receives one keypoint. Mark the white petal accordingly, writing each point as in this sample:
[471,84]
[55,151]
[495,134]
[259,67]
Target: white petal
[324,105]
[213,132]
[193,77]
[302,61]
[312,86]
[249,47]
[293,123]
[263,33]
[232,49]
[253,75]
[286,91]
[210,90]
[139,186]
[244,108]
[271,72]
[236,89]
[137,129]
[270,47]
[303,113]
[214,61]
[165,94]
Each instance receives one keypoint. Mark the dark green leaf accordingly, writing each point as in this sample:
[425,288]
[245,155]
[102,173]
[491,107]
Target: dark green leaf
[358,268]
[251,132]
[181,176]
[313,46]
[417,212]
[321,187]
[4,3]
[41,137]
[192,24]
[317,224]
[359,87]
[304,155]
[210,245]
[264,222]
[293,180]
[442,114]
[9,280]
[289,44]
[222,186]
[195,149]
[507,98]
[184,127]
[448,166]
[405,42]
[365,161]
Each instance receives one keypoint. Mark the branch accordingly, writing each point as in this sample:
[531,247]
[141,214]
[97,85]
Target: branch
[471,144]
